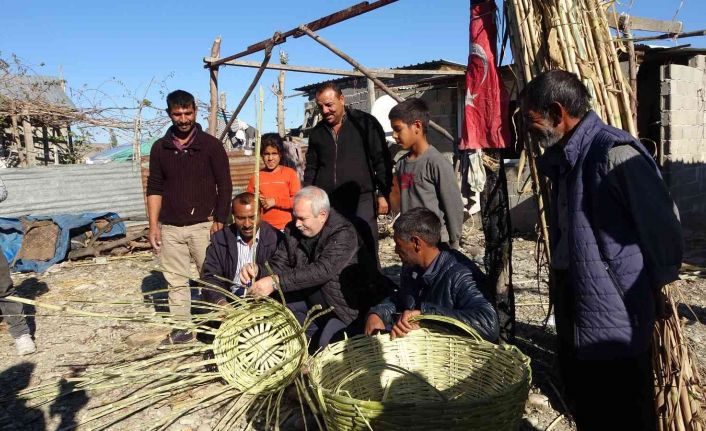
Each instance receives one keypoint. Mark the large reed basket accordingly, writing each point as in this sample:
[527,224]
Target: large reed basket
[428,380]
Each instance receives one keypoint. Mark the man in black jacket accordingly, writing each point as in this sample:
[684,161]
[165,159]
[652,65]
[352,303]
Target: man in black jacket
[348,158]
[321,262]
[231,248]
[433,281]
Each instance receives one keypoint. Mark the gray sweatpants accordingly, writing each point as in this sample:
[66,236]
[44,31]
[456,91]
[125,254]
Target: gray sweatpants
[12,312]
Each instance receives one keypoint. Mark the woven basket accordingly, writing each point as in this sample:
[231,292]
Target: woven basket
[260,346]
[425,381]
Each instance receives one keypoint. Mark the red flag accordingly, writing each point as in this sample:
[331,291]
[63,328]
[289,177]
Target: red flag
[486,106]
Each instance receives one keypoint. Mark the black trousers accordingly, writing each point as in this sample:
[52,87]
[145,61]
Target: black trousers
[322,331]
[12,312]
[361,211]
[602,395]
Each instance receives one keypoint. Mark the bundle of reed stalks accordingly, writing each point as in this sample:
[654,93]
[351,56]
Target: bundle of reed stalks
[572,35]
[257,354]
[679,395]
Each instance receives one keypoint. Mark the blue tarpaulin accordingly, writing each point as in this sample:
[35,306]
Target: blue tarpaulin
[11,234]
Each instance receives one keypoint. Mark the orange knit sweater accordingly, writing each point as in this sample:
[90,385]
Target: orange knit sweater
[281,184]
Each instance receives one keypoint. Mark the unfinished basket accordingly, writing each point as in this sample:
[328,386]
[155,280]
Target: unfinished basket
[425,381]
[260,346]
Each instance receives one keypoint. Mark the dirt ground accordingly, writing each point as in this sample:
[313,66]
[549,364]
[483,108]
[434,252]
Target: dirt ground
[67,345]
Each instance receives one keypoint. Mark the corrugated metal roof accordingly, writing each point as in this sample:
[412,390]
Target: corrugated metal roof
[426,65]
[66,189]
[47,89]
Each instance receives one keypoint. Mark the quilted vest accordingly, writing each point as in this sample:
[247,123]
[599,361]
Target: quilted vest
[614,304]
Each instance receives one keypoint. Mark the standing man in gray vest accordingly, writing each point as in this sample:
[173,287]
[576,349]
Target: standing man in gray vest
[615,242]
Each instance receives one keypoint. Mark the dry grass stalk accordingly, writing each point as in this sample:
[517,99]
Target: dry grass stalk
[679,395]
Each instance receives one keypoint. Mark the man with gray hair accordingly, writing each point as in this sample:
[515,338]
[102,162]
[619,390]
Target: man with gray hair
[322,261]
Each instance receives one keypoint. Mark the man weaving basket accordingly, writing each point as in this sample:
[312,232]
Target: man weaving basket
[433,281]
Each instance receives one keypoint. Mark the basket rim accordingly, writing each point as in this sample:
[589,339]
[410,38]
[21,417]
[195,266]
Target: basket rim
[509,390]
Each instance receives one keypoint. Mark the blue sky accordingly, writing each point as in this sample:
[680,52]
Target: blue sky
[95,43]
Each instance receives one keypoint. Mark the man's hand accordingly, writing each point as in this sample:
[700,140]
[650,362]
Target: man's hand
[216,226]
[155,237]
[403,326]
[373,323]
[267,203]
[262,287]
[383,206]
[248,273]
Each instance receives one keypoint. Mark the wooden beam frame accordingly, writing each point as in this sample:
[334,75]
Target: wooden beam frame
[318,24]
[370,75]
[380,73]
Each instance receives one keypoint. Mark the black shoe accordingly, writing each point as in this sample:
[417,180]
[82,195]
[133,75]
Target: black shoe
[179,336]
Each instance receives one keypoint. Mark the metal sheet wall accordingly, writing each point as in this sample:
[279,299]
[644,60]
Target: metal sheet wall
[73,189]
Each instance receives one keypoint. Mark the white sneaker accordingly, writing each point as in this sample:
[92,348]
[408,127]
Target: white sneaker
[25,345]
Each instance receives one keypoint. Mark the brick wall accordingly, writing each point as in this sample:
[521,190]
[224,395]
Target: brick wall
[683,135]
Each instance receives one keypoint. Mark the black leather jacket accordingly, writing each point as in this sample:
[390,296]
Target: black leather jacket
[448,288]
[340,272]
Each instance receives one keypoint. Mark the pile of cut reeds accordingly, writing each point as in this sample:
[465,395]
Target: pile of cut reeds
[258,350]
[679,395]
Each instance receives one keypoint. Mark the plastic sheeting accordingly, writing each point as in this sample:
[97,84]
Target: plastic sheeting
[11,235]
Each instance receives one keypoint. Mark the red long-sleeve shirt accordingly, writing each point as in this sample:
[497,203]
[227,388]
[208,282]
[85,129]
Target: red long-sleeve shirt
[281,184]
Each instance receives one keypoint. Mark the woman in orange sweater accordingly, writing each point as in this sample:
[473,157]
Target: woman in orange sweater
[278,183]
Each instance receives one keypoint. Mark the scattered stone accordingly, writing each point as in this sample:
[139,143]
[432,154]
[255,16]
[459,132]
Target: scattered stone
[533,421]
[146,338]
[538,400]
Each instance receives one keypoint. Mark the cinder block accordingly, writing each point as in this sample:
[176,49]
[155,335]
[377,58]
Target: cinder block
[686,73]
[699,62]
[666,88]
[695,132]
[684,117]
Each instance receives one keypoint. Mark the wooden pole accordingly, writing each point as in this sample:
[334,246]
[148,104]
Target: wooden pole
[258,142]
[268,54]
[16,141]
[371,95]
[370,76]
[380,73]
[45,145]
[318,24]
[280,103]
[213,73]
[632,68]
[29,139]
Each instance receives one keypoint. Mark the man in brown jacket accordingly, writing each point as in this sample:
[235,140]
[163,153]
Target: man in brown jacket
[188,199]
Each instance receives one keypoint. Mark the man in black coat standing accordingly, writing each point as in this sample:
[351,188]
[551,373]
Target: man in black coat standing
[321,262]
[348,158]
